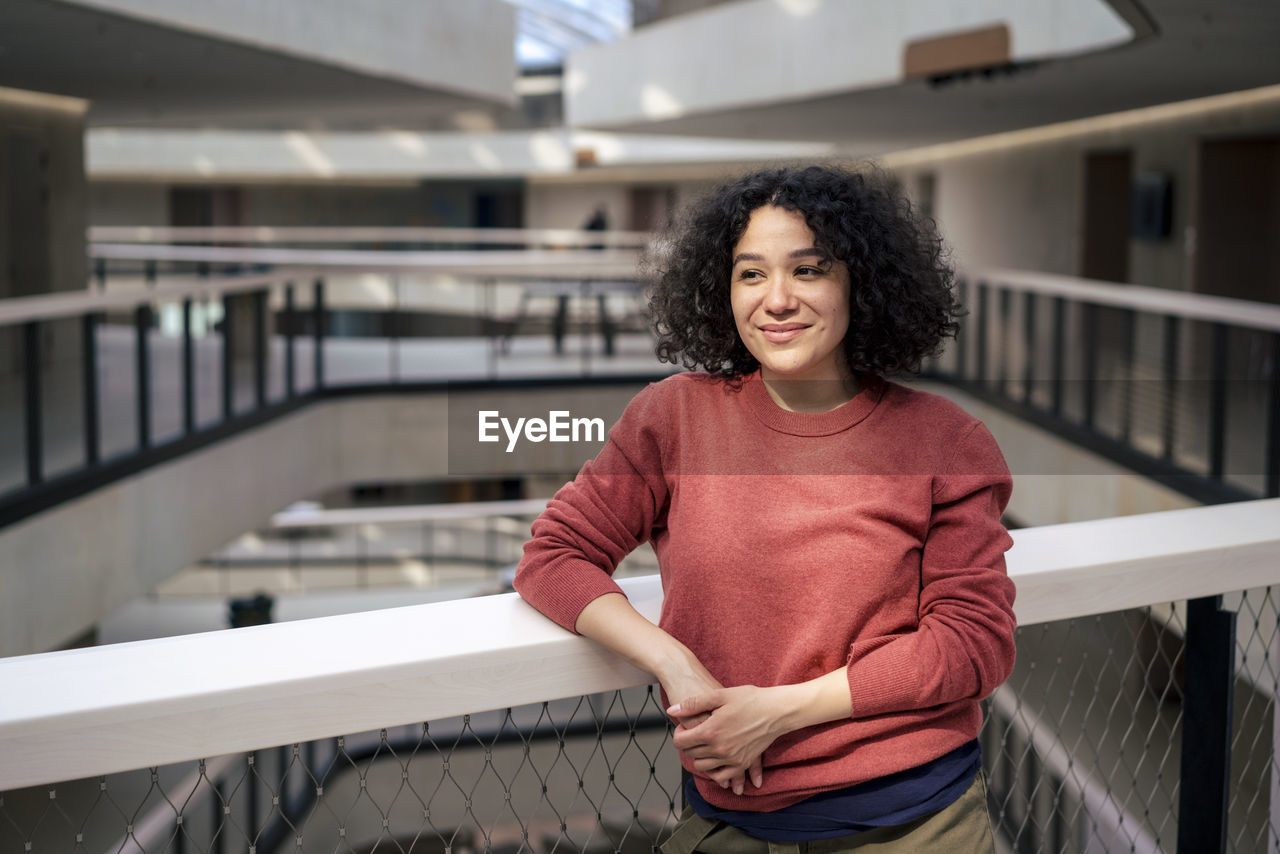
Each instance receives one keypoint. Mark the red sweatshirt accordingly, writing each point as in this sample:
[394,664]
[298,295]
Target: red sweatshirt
[792,544]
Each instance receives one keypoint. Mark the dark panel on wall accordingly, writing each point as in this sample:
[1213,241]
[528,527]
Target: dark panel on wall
[1105,210]
[1237,219]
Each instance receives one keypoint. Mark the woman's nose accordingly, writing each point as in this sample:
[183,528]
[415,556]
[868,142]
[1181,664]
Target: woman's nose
[781,296]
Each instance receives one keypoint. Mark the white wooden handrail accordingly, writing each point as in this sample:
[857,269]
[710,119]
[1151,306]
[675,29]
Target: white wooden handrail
[364,234]
[78,713]
[1237,312]
[519,264]
[166,289]
[582,266]
[408,513]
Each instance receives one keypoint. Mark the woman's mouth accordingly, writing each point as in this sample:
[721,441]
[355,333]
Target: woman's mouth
[781,333]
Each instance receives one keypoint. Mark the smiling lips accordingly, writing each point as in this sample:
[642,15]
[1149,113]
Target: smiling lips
[781,333]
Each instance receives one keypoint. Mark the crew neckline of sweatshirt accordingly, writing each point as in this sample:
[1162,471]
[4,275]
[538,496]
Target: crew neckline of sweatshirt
[826,423]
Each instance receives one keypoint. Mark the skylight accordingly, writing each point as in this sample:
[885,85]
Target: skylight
[547,30]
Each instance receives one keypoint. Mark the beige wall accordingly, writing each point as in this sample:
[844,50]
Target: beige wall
[41,155]
[1017,204]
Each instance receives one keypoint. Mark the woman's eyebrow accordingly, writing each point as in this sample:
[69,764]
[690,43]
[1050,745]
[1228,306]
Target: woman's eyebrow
[809,252]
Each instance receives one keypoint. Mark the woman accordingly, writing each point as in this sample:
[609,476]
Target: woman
[835,598]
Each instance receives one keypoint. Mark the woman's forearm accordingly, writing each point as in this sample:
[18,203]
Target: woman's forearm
[611,621]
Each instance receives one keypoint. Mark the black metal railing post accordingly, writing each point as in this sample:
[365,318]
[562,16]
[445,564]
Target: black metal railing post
[1127,386]
[290,377]
[100,272]
[962,297]
[251,796]
[1273,421]
[142,365]
[218,836]
[1218,402]
[89,386]
[317,310]
[980,359]
[188,371]
[31,386]
[260,349]
[1004,302]
[1169,411]
[1206,727]
[228,357]
[1059,358]
[1029,345]
[393,330]
[1090,338]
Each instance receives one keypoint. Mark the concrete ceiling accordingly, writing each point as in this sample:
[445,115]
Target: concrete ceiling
[138,73]
[1184,49]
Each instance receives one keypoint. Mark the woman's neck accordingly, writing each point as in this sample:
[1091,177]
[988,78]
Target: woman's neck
[811,395]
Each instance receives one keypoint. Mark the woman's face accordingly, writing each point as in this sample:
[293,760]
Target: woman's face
[790,302]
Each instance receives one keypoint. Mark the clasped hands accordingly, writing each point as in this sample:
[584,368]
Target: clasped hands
[725,731]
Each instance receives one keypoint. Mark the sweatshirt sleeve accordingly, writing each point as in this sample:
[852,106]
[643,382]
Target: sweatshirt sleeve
[962,648]
[597,519]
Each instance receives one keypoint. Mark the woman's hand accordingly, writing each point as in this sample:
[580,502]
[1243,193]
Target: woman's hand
[610,620]
[734,726]
[725,732]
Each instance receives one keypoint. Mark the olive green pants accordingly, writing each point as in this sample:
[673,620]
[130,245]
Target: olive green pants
[962,827]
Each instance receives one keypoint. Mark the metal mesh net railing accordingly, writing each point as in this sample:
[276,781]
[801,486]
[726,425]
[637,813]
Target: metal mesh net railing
[1081,746]
[592,774]
[1252,824]
[1082,742]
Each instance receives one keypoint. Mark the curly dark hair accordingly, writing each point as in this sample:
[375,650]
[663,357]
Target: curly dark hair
[902,300]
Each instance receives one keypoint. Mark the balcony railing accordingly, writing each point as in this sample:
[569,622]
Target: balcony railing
[1141,714]
[180,345]
[1181,387]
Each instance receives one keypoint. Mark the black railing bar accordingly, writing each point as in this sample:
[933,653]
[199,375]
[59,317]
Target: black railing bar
[1090,322]
[317,332]
[1128,386]
[1190,483]
[34,416]
[1205,778]
[1005,308]
[260,312]
[89,386]
[1273,422]
[142,365]
[228,357]
[290,355]
[1142,298]
[1169,357]
[25,502]
[1218,401]
[393,337]
[1059,354]
[188,370]
[1029,346]
[980,357]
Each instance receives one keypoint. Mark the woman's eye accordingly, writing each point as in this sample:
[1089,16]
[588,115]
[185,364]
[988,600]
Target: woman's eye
[749,274]
[809,271]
